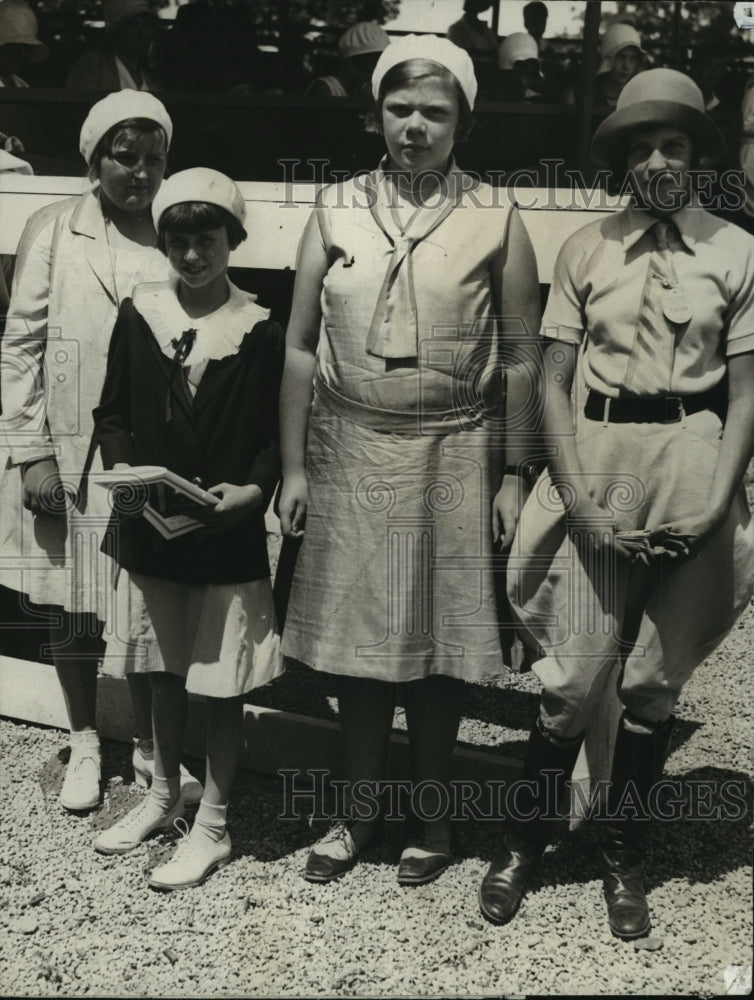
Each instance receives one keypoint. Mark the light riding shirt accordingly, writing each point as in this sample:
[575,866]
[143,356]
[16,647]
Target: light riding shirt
[599,287]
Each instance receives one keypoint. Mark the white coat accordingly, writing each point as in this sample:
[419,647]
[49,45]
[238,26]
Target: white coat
[65,298]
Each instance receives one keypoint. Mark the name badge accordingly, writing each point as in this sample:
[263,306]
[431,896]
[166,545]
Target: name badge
[676,306]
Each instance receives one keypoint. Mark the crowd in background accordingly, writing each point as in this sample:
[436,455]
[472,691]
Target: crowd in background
[219,48]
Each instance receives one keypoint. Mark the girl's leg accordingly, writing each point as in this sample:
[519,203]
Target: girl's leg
[141,700]
[169,709]
[224,737]
[76,648]
[207,847]
[143,756]
[366,708]
[434,706]
[164,804]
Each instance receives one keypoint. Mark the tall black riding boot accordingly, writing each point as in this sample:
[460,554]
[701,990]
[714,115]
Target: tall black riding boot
[547,767]
[638,761]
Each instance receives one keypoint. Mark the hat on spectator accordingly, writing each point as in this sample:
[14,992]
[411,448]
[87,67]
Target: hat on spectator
[115,12]
[116,108]
[434,49]
[18,26]
[658,97]
[517,47]
[199,184]
[362,38]
[618,36]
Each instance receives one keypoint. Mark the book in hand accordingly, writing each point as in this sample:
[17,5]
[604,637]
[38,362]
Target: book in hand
[166,500]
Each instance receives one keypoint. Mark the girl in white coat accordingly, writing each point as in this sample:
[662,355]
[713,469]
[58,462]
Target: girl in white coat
[77,260]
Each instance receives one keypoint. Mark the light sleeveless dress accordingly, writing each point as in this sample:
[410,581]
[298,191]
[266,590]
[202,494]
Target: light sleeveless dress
[394,579]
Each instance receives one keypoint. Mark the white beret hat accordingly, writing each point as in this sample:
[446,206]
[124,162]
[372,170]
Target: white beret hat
[439,50]
[116,108]
[518,47]
[362,38]
[199,184]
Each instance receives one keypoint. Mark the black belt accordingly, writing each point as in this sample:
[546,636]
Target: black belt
[651,409]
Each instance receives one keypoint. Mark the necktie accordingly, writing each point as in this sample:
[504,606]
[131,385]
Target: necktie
[183,348]
[650,364]
[394,329]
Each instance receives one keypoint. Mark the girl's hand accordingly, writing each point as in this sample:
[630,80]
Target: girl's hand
[589,524]
[686,537]
[506,510]
[294,497]
[11,144]
[236,503]
[43,491]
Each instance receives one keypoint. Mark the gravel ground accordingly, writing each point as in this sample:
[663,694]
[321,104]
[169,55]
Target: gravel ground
[78,924]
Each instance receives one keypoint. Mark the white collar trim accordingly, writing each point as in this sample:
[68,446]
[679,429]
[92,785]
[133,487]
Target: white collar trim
[218,334]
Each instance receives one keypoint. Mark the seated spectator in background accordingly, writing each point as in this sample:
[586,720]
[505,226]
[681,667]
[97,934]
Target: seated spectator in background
[550,66]
[535,21]
[125,64]
[471,33]
[212,47]
[519,78]
[19,44]
[20,127]
[359,49]
[622,58]
[709,70]
[480,41]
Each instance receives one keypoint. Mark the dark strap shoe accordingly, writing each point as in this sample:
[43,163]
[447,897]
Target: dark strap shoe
[422,861]
[505,883]
[623,880]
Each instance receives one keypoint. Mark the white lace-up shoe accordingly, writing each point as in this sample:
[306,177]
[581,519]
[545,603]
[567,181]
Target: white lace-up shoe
[82,777]
[136,826]
[196,857]
[143,765]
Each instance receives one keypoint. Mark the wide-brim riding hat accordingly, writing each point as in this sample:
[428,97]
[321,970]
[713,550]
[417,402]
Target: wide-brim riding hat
[658,97]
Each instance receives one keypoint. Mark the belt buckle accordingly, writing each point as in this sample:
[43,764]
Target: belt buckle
[677,401]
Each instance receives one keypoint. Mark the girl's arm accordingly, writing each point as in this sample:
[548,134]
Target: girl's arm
[516,291]
[265,470]
[22,384]
[112,418]
[238,501]
[296,389]
[590,522]
[687,535]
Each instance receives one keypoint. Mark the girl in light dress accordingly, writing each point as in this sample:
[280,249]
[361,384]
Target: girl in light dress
[192,384]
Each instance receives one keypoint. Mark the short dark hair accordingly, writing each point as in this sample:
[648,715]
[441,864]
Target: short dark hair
[418,69]
[195,217]
[106,145]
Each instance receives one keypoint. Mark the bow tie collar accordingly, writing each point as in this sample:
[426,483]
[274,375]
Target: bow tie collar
[394,329]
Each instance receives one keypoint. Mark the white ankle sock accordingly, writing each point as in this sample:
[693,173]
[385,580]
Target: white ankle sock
[165,791]
[86,739]
[211,820]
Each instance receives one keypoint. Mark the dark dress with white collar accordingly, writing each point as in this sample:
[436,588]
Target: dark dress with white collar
[199,605]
